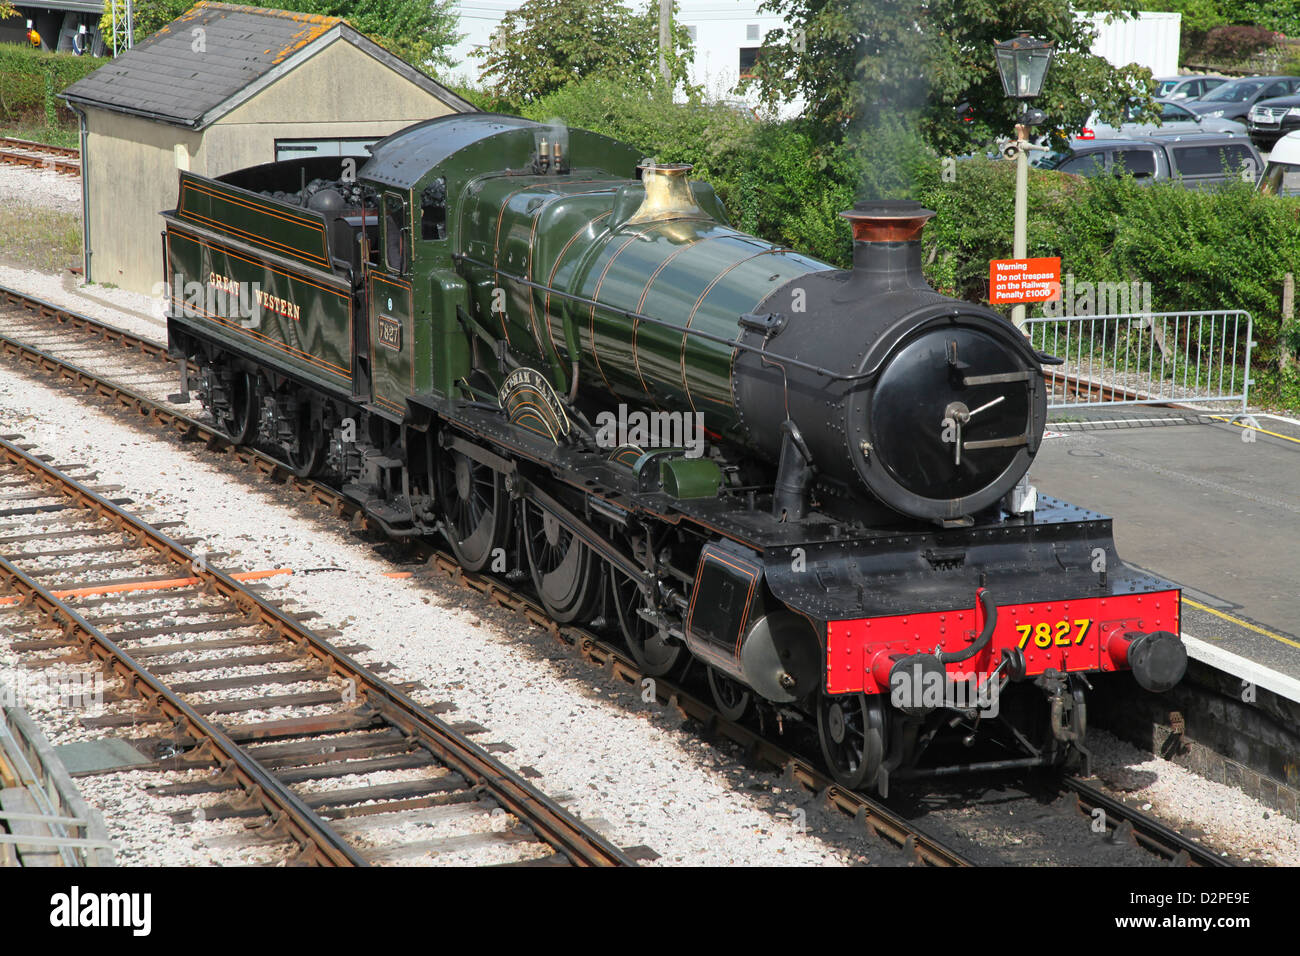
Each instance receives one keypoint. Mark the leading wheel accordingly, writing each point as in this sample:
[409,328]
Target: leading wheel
[654,653]
[731,697]
[565,572]
[851,729]
[475,509]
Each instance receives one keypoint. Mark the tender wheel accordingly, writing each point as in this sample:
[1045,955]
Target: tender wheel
[654,654]
[851,729]
[565,572]
[475,509]
[310,454]
[731,697]
[239,417]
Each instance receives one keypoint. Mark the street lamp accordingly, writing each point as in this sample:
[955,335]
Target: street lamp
[1023,64]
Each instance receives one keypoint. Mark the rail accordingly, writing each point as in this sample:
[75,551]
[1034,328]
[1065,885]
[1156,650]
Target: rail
[569,837]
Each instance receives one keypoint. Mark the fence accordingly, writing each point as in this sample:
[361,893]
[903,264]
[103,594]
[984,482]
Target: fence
[1156,358]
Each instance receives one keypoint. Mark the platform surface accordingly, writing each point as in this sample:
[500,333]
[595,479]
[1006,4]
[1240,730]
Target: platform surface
[1195,503]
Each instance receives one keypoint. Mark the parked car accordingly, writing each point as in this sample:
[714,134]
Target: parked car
[1174,118]
[1282,175]
[1234,99]
[1270,120]
[1197,160]
[1187,87]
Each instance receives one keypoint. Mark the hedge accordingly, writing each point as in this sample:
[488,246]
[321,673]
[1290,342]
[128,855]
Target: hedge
[1227,248]
[31,80]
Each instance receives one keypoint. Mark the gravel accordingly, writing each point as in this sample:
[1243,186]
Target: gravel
[131,311]
[28,185]
[1228,818]
[655,784]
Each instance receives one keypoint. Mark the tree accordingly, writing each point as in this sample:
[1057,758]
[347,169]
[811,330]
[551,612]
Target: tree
[543,45]
[419,31]
[856,64]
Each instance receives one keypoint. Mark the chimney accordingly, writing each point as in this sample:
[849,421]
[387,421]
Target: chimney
[887,246]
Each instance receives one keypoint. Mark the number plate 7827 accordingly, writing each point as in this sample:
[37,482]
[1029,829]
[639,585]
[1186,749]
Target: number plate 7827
[1046,634]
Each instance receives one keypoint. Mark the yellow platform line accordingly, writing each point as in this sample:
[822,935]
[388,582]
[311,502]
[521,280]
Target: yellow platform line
[1256,428]
[1240,623]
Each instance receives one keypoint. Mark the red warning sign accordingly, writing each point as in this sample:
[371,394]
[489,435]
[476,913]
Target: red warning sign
[1013,281]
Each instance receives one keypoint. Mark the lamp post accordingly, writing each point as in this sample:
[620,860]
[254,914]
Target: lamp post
[1023,64]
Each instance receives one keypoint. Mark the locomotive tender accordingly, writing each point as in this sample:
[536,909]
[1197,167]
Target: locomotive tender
[437,334]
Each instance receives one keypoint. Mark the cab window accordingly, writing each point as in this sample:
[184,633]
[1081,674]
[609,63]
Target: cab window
[396,247]
[433,211]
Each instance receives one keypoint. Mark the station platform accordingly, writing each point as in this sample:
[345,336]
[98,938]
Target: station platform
[1206,502]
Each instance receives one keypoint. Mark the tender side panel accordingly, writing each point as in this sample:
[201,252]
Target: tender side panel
[290,231]
[298,320]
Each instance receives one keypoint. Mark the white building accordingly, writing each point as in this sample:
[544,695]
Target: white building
[728,33]
[1150,39]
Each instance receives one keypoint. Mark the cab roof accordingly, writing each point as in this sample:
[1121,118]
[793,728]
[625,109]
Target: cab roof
[401,159]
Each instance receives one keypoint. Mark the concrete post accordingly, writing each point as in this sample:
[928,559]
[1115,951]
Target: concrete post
[1020,242]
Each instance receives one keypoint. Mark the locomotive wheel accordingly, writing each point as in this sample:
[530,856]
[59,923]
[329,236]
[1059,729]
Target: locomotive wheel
[851,729]
[731,697]
[655,655]
[475,509]
[239,419]
[306,461]
[565,571]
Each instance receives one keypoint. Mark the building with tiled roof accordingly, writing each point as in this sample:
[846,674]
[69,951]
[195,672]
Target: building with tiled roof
[221,88]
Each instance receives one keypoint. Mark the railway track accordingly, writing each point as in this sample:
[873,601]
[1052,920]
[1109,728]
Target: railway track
[1122,821]
[24,152]
[85,578]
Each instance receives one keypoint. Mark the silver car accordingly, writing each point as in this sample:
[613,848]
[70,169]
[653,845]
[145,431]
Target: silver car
[1174,118]
[1187,87]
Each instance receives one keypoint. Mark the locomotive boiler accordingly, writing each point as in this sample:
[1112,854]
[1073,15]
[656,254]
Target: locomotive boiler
[853,541]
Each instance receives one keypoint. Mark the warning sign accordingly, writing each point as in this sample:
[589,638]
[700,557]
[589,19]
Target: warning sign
[1013,281]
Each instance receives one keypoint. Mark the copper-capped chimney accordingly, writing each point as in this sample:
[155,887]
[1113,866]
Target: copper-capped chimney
[887,245]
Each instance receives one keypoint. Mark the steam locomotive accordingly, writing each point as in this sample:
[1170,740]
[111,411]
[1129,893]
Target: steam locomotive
[810,483]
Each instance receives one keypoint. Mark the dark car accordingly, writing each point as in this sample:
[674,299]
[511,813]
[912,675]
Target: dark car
[1234,99]
[1270,120]
[1195,159]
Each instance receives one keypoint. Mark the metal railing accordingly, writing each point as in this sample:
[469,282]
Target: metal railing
[73,831]
[1154,358]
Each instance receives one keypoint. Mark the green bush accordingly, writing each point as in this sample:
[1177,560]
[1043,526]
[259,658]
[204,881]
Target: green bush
[1222,249]
[486,100]
[1226,248]
[31,80]
[788,191]
[706,135]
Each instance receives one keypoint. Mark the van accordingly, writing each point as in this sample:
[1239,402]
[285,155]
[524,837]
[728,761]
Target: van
[1197,160]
